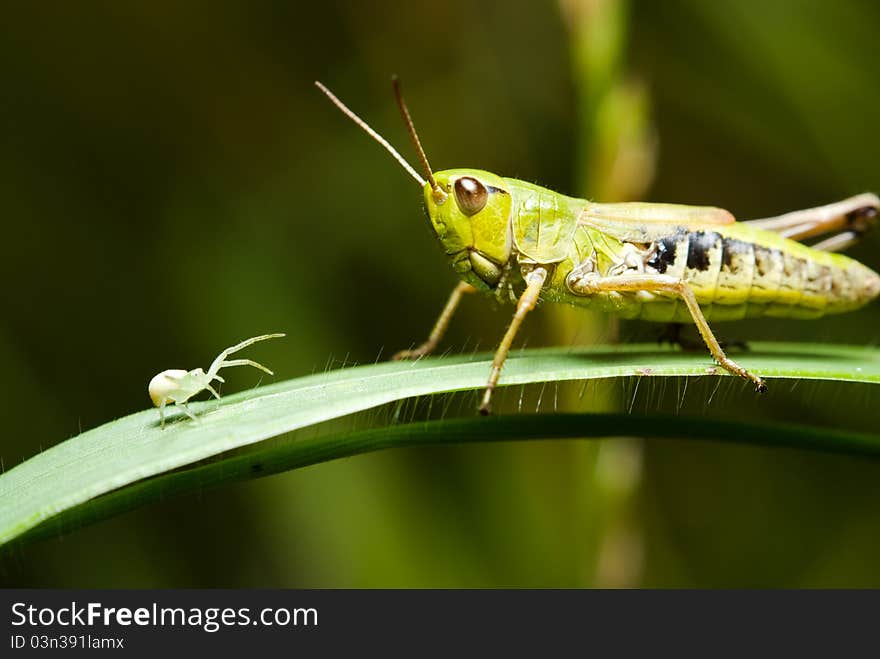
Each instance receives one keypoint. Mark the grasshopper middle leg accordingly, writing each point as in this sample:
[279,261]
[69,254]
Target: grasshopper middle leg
[527,301]
[666,284]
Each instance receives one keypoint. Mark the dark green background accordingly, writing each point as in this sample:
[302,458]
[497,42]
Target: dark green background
[172,182]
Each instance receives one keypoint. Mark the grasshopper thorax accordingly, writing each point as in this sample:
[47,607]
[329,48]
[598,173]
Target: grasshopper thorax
[472,223]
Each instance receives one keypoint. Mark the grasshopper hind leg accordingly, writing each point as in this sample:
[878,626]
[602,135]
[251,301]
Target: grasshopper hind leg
[673,334]
[847,221]
[665,284]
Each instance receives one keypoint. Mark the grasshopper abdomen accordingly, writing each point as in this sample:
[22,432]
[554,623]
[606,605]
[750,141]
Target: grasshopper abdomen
[735,272]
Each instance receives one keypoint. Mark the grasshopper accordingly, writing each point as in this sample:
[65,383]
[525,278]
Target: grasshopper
[653,261]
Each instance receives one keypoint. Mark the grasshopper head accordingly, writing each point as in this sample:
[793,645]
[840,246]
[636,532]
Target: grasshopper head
[469,211]
[469,208]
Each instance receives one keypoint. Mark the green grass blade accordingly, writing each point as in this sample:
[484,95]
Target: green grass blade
[265,461]
[132,449]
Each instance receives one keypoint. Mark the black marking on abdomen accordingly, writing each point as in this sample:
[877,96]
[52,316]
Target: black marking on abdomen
[731,247]
[768,260]
[664,255]
[701,243]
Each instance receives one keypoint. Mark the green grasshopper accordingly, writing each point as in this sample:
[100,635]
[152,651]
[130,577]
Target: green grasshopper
[661,262]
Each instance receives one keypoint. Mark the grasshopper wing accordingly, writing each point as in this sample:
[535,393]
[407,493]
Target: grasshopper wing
[633,221]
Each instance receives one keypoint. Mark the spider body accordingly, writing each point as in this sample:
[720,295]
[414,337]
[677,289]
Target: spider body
[177,385]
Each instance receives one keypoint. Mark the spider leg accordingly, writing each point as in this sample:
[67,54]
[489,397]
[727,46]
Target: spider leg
[218,362]
[245,362]
[186,409]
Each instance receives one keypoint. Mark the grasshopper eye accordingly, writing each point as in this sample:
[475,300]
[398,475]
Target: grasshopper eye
[471,195]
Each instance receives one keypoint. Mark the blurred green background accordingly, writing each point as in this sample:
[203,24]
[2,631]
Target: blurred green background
[172,182]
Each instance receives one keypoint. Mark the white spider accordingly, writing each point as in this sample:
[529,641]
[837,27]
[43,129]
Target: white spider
[177,386]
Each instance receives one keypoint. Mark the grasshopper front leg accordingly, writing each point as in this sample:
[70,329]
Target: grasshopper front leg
[666,284]
[440,326]
[527,301]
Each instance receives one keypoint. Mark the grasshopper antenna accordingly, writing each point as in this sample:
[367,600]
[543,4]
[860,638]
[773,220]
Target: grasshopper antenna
[439,194]
[381,140]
